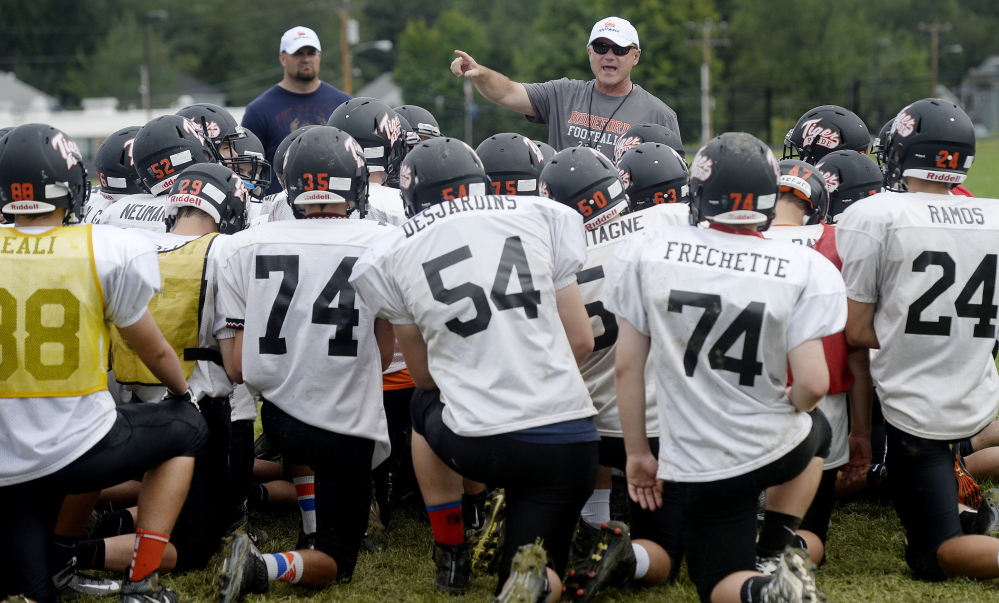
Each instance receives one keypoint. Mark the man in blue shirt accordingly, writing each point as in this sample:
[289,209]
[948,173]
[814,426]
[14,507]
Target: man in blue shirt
[299,99]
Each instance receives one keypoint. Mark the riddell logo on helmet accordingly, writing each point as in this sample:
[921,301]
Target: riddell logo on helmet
[811,130]
[904,125]
[944,177]
[625,144]
[702,168]
[67,148]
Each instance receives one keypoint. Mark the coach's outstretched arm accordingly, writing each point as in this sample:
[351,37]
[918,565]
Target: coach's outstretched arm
[493,85]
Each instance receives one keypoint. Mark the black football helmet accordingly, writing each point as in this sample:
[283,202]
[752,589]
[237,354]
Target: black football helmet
[734,180]
[823,130]
[3,131]
[805,182]
[654,173]
[376,127]
[424,123]
[849,176]
[547,150]
[586,181]
[165,147]
[513,163]
[250,164]
[282,150]
[115,166]
[440,169]
[879,148]
[647,133]
[41,169]
[217,124]
[325,165]
[215,190]
[931,139]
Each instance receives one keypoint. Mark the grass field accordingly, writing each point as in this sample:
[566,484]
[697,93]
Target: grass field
[865,561]
[864,564]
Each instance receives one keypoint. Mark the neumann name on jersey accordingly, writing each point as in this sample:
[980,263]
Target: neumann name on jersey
[444,209]
[956,215]
[740,262]
[137,211]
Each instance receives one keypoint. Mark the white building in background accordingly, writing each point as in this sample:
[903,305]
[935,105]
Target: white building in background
[980,93]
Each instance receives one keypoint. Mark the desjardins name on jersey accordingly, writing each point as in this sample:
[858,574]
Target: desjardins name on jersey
[444,209]
[759,263]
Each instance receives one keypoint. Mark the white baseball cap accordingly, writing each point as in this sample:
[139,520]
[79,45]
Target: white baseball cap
[617,30]
[298,37]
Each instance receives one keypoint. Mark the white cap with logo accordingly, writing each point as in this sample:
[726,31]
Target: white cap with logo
[617,30]
[299,37]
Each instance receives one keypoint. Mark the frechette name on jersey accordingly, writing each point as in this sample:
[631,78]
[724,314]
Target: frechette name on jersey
[956,215]
[747,261]
[447,208]
[28,245]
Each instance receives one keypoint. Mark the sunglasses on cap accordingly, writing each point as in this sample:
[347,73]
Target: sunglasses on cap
[602,48]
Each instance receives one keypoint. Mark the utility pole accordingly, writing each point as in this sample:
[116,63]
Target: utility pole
[345,59]
[935,29]
[707,42]
[145,81]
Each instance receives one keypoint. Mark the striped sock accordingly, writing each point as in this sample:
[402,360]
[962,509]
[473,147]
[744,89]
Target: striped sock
[148,553]
[284,567]
[446,523]
[305,487]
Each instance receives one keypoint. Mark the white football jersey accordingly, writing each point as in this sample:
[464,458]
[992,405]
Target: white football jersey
[98,201]
[208,378]
[478,276]
[137,211]
[39,436]
[835,406]
[385,205]
[598,369]
[308,342]
[929,263]
[723,310]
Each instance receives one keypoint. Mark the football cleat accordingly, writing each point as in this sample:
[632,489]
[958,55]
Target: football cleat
[376,538]
[147,590]
[487,542]
[454,568]
[243,569]
[793,580]
[528,581]
[71,583]
[611,564]
[582,543]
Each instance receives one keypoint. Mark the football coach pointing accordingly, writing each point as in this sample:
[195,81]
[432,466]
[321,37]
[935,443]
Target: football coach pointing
[578,113]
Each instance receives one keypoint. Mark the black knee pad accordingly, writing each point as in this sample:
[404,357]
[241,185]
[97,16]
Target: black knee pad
[820,424]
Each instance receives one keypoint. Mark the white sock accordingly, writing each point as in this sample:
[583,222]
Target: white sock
[596,511]
[306,490]
[284,567]
[642,561]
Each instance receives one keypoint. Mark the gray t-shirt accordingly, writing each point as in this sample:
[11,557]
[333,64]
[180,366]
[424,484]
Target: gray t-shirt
[567,105]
